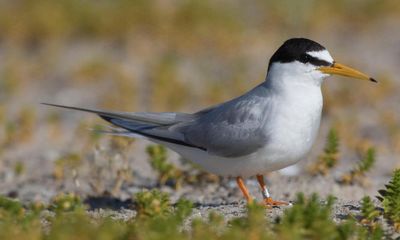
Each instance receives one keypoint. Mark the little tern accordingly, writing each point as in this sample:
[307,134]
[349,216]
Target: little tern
[272,126]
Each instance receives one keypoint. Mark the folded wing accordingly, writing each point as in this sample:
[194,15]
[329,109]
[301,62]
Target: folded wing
[231,129]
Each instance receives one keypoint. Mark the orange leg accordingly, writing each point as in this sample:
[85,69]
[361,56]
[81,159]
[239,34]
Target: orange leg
[267,198]
[240,183]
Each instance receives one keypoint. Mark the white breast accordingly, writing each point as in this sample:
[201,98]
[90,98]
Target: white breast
[293,127]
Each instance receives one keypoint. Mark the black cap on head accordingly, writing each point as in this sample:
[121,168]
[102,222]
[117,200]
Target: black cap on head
[295,49]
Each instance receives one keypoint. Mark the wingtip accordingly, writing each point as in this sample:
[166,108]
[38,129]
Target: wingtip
[47,104]
[50,104]
[95,111]
[63,106]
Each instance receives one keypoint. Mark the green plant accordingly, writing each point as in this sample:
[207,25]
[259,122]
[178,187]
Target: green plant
[349,229]
[19,168]
[9,207]
[369,219]
[66,203]
[390,198]
[166,171]
[253,226]
[308,219]
[17,219]
[357,174]
[183,208]
[152,203]
[369,213]
[367,162]
[330,156]
[79,225]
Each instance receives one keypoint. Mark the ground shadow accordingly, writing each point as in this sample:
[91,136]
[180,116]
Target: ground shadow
[107,202]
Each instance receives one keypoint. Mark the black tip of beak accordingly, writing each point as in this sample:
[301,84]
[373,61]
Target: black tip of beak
[373,80]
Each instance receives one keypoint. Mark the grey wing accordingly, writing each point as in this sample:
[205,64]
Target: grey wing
[233,129]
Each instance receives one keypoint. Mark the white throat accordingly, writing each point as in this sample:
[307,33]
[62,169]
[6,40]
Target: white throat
[283,76]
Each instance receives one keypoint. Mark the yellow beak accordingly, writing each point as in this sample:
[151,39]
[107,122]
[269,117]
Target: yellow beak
[340,69]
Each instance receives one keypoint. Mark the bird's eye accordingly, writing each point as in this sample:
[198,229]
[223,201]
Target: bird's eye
[305,58]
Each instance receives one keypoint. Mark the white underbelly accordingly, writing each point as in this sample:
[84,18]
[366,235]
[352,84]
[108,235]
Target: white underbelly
[282,153]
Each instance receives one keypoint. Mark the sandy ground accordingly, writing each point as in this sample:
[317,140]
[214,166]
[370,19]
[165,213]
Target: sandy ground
[222,197]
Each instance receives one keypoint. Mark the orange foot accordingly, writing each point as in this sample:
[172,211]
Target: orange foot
[268,202]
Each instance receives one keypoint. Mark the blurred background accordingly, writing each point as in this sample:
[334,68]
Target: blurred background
[176,55]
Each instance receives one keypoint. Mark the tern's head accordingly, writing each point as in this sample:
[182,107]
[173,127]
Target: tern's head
[305,61]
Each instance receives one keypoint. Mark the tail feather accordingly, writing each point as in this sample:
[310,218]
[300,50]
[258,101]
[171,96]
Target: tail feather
[154,126]
[116,132]
[164,118]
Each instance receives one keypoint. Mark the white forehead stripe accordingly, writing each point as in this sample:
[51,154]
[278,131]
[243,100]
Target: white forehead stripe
[323,55]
